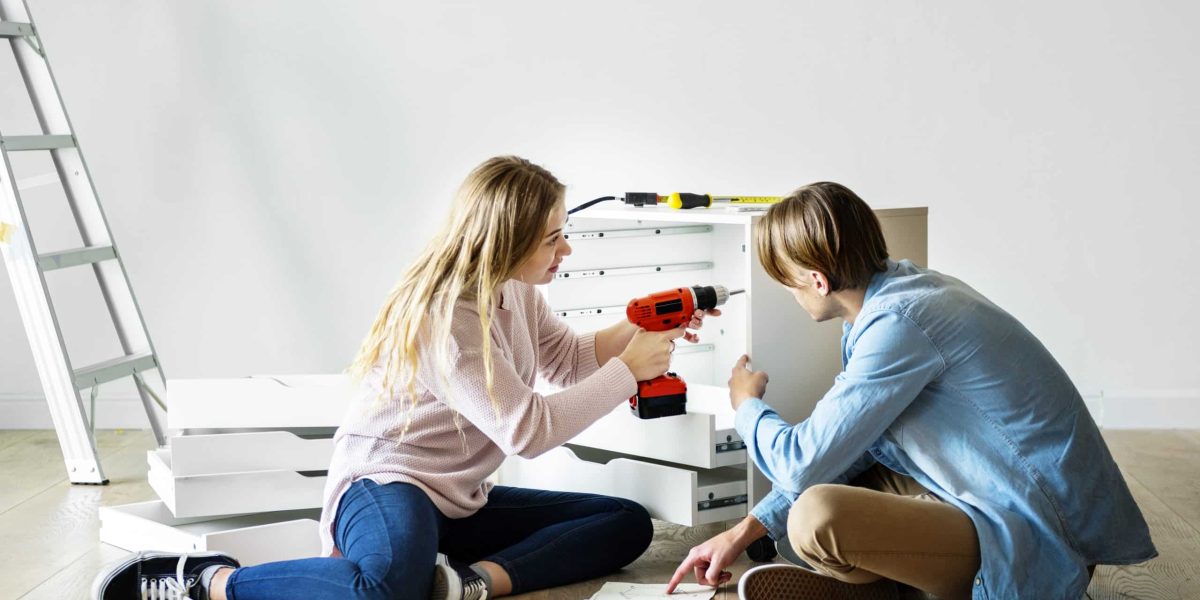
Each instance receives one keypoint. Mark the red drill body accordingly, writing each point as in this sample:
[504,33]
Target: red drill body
[666,395]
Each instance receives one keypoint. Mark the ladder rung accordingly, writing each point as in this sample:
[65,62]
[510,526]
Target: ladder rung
[20,143]
[116,368]
[10,29]
[78,256]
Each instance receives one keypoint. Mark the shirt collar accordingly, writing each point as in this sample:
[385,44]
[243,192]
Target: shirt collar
[878,278]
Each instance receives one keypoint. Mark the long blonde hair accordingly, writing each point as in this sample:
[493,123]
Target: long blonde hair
[496,221]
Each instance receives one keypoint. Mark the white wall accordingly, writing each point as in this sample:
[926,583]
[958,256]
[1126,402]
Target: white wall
[270,167]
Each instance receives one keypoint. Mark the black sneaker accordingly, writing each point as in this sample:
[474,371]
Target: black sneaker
[456,581]
[159,575]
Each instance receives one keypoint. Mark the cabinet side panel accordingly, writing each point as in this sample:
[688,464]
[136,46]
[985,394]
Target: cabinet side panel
[907,237]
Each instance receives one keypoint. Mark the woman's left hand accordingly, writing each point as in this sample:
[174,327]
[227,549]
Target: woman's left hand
[697,322]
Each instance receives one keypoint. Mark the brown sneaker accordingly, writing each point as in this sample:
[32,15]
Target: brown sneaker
[787,582]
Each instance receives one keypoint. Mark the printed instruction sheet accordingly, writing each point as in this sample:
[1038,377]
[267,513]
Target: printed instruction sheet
[613,590]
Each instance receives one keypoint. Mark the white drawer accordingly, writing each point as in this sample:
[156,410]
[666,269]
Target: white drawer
[704,437]
[259,402]
[669,493]
[238,452]
[252,539]
[232,493]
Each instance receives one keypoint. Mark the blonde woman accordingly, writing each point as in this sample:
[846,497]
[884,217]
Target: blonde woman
[447,392]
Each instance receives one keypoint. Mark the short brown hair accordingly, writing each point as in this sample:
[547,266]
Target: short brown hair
[822,227]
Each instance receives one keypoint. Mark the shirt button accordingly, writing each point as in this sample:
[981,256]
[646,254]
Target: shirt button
[978,581]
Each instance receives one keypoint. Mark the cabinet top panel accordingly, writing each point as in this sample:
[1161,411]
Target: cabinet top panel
[705,215]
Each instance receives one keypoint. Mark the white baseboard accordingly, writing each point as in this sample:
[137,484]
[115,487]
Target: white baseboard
[22,411]
[1145,409]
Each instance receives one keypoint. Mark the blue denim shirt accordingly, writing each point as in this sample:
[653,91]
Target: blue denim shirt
[942,385]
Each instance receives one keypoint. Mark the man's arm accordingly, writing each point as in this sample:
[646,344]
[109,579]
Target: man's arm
[891,362]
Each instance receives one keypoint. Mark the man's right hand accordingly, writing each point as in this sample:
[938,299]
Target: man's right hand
[745,384]
[708,561]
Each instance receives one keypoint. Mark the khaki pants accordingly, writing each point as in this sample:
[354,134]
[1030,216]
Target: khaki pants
[886,525]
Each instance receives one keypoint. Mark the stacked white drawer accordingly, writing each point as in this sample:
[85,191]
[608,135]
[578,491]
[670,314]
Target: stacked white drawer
[243,471]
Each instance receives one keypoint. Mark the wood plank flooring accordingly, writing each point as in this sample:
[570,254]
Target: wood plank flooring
[51,547]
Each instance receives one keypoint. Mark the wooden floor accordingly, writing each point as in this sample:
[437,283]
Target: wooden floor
[51,547]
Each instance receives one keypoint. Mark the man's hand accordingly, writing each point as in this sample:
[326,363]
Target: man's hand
[745,383]
[708,560]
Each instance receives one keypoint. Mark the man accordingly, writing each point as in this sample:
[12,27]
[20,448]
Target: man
[952,454]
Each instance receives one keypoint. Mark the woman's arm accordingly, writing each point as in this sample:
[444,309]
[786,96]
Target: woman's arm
[611,341]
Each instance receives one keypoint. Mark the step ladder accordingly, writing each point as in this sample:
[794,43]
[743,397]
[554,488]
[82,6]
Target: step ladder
[61,382]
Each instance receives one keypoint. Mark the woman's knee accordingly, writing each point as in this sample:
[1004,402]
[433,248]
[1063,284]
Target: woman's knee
[373,579]
[631,523]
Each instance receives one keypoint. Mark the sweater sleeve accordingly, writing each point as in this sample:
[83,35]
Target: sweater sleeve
[522,421]
[564,357]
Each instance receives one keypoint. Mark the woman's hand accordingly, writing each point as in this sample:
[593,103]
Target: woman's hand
[697,322]
[648,354]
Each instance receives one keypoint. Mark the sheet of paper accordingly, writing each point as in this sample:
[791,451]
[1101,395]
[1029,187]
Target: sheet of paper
[613,590]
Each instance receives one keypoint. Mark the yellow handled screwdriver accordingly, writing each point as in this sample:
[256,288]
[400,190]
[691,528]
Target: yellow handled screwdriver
[681,200]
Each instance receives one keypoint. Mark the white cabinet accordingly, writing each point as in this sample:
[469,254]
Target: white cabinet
[626,252]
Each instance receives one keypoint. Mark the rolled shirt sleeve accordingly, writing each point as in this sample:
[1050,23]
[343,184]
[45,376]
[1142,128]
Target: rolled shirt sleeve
[891,361]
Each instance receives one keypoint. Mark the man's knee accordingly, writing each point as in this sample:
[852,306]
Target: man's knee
[813,521]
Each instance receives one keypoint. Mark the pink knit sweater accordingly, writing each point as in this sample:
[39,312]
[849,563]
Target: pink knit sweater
[527,340]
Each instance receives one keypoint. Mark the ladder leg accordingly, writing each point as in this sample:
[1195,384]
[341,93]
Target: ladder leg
[148,402]
[45,338]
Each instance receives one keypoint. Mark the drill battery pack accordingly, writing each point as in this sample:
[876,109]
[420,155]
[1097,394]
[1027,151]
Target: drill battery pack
[664,396]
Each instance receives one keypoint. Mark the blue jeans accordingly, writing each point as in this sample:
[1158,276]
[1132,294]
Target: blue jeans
[389,536]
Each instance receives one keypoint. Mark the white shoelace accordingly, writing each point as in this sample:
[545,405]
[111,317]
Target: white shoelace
[166,588]
[475,590]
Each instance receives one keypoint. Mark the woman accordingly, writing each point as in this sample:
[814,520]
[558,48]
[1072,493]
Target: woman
[447,392]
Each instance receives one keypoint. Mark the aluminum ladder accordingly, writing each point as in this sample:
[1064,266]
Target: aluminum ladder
[61,382]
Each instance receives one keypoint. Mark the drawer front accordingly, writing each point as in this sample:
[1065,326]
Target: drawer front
[669,493]
[243,452]
[234,493]
[704,437]
[252,539]
[270,402]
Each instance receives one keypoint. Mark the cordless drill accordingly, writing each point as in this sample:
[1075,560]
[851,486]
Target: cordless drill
[666,395]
